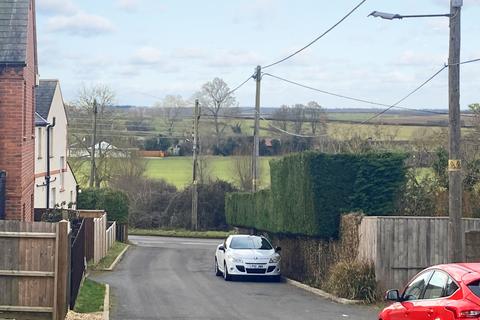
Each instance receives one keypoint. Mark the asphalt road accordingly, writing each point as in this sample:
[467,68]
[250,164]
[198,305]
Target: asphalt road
[172,278]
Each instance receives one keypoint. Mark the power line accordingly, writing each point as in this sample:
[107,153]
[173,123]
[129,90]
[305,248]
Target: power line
[407,96]
[351,98]
[239,86]
[318,38]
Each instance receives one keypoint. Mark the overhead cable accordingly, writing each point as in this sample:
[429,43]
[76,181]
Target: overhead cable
[318,38]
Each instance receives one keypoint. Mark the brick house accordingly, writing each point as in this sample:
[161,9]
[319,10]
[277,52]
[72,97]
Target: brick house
[18,78]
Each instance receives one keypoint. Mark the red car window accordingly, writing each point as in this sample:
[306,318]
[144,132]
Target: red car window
[436,286]
[451,287]
[415,289]
[475,288]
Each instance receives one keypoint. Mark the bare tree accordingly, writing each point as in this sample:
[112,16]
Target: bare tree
[171,111]
[298,117]
[242,167]
[317,118]
[282,117]
[216,99]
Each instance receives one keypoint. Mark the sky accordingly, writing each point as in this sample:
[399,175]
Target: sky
[146,49]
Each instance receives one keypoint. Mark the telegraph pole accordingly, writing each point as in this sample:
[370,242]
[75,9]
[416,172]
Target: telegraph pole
[456,235]
[94,141]
[256,132]
[195,167]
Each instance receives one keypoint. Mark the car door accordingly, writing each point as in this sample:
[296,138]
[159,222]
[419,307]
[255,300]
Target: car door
[406,309]
[432,303]
[221,255]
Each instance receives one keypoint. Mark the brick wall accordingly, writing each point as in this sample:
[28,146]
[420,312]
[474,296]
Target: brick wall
[17,136]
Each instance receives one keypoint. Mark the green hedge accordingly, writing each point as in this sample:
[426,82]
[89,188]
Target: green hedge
[114,202]
[309,192]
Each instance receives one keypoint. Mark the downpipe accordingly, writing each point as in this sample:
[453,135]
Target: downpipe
[48,177]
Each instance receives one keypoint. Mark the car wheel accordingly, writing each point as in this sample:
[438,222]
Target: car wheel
[218,273]
[226,276]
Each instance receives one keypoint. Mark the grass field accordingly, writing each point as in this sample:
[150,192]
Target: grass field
[178,170]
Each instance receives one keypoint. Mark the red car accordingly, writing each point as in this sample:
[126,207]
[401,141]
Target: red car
[443,292]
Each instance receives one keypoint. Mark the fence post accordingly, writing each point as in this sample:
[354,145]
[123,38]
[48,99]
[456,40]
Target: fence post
[62,269]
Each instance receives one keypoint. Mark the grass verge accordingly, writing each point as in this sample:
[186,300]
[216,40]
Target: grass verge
[180,233]
[112,254]
[90,298]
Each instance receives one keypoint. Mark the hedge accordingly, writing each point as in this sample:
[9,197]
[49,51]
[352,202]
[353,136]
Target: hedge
[309,192]
[114,202]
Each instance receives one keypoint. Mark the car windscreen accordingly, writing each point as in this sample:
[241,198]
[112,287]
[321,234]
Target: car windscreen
[250,243]
[475,287]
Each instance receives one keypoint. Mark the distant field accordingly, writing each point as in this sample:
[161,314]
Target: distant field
[178,170]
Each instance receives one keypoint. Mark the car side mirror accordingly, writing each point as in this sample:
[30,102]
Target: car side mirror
[278,249]
[221,248]
[392,295]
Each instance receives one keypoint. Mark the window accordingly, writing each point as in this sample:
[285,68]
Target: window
[39,142]
[53,197]
[451,287]
[475,288]
[436,286]
[250,243]
[62,173]
[51,141]
[416,287]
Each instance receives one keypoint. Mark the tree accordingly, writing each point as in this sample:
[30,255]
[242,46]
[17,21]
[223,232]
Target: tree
[298,117]
[171,111]
[282,117]
[216,99]
[317,118]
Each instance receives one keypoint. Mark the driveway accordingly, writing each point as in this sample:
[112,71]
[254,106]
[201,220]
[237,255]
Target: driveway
[172,278]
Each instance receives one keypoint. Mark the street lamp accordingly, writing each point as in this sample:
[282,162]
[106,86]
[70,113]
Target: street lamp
[456,236]
[392,16]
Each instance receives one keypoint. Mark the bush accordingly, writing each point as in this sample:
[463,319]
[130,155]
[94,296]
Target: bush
[353,280]
[114,202]
[211,207]
[309,192]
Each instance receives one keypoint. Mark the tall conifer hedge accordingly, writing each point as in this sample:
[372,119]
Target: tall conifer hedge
[309,192]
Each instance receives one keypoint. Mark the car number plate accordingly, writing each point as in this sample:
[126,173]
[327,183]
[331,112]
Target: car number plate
[257,266]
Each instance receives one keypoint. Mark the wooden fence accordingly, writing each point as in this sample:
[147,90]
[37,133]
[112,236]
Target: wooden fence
[77,263]
[34,269]
[111,234]
[400,247]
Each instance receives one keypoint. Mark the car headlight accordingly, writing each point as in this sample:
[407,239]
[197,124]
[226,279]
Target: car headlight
[234,259]
[275,258]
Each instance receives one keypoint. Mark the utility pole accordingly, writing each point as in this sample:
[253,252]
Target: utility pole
[456,235]
[94,142]
[195,167]
[256,132]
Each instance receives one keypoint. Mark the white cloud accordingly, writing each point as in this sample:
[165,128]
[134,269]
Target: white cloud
[56,7]
[234,58]
[128,4]
[413,58]
[81,23]
[465,2]
[148,56]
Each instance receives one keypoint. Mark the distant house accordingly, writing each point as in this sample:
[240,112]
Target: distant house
[104,148]
[55,183]
[18,78]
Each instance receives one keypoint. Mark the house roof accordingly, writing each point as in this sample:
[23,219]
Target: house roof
[44,96]
[13,30]
[40,121]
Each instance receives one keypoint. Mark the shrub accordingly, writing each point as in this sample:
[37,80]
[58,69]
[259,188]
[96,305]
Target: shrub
[114,202]
[211,206]
[353,280]
[309,192]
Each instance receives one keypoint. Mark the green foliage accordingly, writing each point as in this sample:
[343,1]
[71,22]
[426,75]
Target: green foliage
[309,192]
[440,166]
[353,280]
[114,202]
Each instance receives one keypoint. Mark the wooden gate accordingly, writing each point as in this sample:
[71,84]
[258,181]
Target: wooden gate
[34,270]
